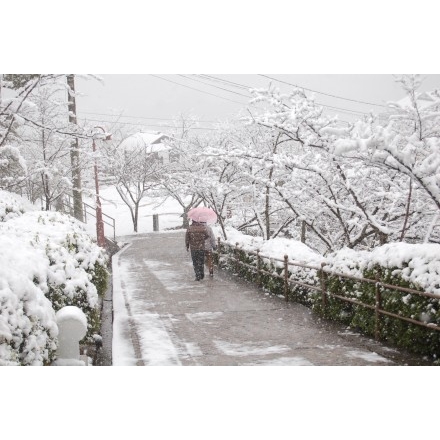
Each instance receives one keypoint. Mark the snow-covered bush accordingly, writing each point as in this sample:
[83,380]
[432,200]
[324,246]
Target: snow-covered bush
[413,266]
[12,205]
[271,254]
[12,167]
[48,261]
[28,329]
[77,271]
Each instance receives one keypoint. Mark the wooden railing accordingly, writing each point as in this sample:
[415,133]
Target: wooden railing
[322,287]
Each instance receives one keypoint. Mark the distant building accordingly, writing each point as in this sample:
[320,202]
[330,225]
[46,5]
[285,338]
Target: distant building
[152,142]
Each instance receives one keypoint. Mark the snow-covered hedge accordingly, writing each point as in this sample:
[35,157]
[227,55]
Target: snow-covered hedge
[28,329]
[55,254]
[11,206]
[272,255]
[12,166]
[418,264]
[414,266]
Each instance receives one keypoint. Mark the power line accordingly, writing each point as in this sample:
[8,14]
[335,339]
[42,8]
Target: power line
[322,93]
[240,86]
[217,87]
[144,117]
[198,90]
[143,125]
[343,110]
[352,112]
[347,111]
[160,119]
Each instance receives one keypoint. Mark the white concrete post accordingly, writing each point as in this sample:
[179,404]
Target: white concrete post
[72,327]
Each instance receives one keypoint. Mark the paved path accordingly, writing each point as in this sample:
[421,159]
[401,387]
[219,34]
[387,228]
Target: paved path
[163,317]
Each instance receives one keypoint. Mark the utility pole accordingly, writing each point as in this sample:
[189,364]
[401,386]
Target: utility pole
[99,221]
[74,152]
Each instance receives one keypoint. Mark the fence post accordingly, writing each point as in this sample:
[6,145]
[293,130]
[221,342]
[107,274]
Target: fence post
[236,257]
[258,268]
[377,308]
[323,287]
[286,278]
[155,222]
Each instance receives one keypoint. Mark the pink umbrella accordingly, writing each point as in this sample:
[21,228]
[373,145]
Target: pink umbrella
[202,214]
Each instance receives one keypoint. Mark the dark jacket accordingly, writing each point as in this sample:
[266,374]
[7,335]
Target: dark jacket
[195,237]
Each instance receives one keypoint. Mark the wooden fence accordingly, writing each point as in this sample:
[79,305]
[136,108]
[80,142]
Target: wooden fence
[323,285]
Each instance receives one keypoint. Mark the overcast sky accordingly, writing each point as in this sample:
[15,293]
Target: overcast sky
[227,37]
[152,100]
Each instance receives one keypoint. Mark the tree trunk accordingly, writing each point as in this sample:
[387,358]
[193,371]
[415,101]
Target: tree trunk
[136,216]
[44,178]
[185,223]
[303,231]
[74,153]
[46,191]
[402,235]
[222,225]
[266,211]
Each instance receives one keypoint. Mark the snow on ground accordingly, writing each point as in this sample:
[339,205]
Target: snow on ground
[295,361]
[160,350]
[166,273]
[366,356]
[125,354]
[169,213]
[205,317]
[232,349]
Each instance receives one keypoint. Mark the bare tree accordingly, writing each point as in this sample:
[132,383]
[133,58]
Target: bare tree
[136,170]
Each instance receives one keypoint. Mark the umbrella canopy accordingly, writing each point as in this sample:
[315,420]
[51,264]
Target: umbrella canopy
[203,215]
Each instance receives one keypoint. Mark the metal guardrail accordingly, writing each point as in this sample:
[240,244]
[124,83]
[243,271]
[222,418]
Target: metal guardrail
[90,210]
[323,275]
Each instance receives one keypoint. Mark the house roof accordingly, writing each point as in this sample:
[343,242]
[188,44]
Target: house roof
[150,140]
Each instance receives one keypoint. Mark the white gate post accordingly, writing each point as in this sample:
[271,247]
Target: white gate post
[72,327]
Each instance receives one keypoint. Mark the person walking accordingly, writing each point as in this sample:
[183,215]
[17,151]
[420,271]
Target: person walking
[195,237]
[210,245]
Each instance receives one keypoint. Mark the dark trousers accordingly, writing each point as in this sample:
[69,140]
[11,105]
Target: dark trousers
[198,258]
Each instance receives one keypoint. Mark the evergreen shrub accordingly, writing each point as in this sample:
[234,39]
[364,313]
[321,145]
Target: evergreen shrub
[402,334]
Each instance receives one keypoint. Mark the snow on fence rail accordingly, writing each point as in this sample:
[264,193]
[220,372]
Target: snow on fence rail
[323,275]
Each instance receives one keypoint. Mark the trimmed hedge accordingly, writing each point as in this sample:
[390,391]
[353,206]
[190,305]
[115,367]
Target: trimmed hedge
[48,261]
[402,334]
